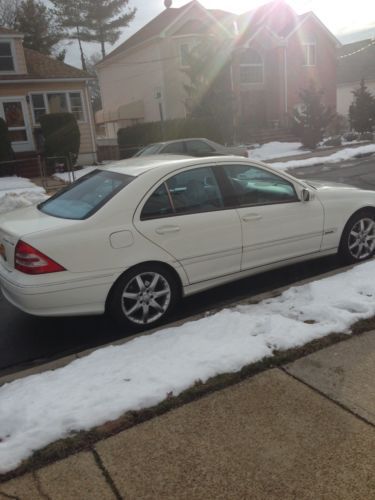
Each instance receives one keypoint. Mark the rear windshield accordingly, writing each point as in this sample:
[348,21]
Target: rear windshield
[148,150]
[85,196]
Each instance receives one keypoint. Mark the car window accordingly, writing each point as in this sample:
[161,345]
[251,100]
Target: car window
[158,205]
[149,150]
[195,191]
[196,148]
[254,186]
[174,148]
[85,196]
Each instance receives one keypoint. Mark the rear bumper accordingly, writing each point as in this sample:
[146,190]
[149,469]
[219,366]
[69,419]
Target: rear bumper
[71,295]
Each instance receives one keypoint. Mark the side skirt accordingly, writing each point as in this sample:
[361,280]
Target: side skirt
[205,285]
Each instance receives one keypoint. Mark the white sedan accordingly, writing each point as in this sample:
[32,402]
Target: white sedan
[133,237]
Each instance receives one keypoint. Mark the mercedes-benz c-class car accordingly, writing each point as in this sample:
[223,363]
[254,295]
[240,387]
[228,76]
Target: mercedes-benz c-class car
[191,147]
[135,236]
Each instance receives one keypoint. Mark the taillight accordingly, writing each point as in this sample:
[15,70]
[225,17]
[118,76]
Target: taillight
[29,260]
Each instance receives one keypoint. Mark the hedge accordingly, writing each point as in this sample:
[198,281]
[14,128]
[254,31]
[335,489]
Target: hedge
[61,135]
[147,133]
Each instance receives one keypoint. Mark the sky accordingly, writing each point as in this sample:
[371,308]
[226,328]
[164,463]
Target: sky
[340,17]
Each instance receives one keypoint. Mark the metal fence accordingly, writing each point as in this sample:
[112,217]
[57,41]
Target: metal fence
[22,167]
[51,172]
[57,169]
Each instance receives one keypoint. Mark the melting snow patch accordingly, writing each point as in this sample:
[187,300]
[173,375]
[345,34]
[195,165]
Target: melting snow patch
[17,192]
[339,156]
[42,408]
[276,150]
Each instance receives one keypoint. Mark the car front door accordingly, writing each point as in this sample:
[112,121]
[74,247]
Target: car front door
[276,224]
[185,215]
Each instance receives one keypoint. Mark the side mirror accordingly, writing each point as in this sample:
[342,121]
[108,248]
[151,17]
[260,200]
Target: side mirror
[306,196]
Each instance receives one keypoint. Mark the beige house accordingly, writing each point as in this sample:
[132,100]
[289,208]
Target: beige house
[33,84]
[269,53]
[142,80]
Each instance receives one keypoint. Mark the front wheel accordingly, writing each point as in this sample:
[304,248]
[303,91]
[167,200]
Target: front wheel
[143,297]
[358,239]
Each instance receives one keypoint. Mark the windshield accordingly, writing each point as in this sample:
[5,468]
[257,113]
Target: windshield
[85,196]
[148,150]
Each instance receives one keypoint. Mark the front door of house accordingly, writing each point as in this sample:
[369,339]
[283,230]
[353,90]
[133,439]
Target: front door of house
[14,111]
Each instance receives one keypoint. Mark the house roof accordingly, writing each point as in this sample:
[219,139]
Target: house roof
[150,30]
[282,24]
[356,61]
[159,24]
[43,67]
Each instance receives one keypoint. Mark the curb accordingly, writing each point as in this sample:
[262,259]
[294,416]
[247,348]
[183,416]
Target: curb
[60,363]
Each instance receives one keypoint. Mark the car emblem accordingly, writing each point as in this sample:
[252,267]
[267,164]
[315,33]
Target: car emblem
[2,251]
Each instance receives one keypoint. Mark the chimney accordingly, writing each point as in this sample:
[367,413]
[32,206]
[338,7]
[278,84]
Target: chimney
[167,3]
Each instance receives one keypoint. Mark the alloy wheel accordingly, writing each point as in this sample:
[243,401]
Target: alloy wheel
[145,298]
[361,241]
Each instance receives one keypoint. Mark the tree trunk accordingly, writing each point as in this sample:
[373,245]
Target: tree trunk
[103,48]
[102,40]
[83,61]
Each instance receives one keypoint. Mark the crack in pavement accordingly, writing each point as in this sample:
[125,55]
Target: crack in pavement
[106,475]
[325,396]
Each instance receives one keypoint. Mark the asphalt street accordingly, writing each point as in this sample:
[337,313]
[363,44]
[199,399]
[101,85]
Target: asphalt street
[26,340]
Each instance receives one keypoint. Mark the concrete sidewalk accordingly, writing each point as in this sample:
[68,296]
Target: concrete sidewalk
[305,431]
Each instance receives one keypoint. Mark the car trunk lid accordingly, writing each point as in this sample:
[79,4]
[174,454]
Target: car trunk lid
[22,223]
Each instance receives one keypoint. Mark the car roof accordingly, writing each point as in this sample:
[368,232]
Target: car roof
[138,165]
[163,164]
[163,143]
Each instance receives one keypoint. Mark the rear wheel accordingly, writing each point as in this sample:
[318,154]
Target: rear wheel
[358,238]
[144,296]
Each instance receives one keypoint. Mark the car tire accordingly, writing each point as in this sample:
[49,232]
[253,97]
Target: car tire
[144,296]
[358,238]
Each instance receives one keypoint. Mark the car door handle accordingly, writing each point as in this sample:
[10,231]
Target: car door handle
[251,217]
[167,229]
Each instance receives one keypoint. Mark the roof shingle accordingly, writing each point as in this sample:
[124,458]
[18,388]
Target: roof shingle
[159,24]
[41,66]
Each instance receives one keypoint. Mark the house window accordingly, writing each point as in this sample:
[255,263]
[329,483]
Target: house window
[39,106]
[76,106]
[251,67]
[309,51]
[6,57]
[58,102]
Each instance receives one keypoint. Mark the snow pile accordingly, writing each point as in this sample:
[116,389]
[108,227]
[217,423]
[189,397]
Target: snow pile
[17,192]
[42,408]
[276,150]
[66,176]
[339,156]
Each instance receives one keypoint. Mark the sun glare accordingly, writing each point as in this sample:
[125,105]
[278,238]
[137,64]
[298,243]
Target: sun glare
[338,18]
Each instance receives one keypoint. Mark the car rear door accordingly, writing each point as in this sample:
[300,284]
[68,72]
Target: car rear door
[185,215]
[276,225]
